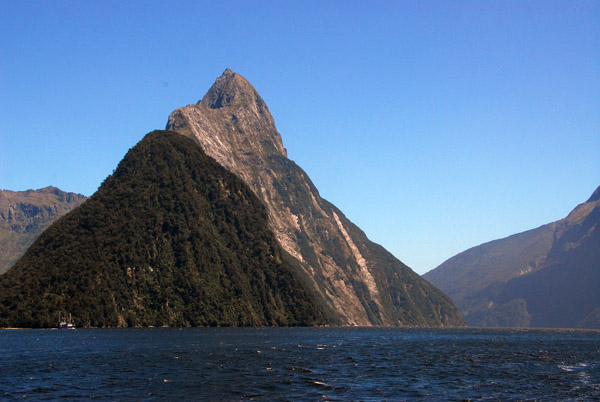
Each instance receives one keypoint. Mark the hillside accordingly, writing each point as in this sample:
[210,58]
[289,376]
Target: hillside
[169,239]
[358,281]
[26,214]
[545,277]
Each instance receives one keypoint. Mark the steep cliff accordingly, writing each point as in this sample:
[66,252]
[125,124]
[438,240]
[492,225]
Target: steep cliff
[545,277]
[359,281]
[26,214]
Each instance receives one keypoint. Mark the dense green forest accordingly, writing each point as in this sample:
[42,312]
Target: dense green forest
[170,238]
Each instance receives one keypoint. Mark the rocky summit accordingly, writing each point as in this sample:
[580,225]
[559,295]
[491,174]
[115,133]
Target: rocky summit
[545,277]
[358,281]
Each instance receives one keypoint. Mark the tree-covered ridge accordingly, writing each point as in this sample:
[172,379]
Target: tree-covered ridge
[171,238]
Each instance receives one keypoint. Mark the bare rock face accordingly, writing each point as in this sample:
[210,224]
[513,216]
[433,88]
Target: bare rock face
[358,281]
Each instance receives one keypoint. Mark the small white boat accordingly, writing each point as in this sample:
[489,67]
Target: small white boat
[63,323]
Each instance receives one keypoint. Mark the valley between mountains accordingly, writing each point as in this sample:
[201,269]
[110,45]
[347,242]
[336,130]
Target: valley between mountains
[546,277]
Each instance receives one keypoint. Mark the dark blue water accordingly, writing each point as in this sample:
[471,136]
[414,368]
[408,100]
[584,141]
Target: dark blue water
[300,364]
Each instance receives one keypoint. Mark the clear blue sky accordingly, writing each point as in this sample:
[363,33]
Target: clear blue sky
[435,126]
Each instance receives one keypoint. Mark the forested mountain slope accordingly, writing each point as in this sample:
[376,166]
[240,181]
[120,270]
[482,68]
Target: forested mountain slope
[170,238]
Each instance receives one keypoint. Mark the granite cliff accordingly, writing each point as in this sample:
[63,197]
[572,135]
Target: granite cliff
[358,281]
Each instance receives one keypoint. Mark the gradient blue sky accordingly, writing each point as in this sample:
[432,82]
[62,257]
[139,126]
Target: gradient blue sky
[435,126]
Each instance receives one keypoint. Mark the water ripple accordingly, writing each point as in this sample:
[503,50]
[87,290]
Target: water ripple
[319,364]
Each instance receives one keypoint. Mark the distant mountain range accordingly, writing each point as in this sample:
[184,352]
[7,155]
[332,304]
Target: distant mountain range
[358,281]
[544,277]
[26,214]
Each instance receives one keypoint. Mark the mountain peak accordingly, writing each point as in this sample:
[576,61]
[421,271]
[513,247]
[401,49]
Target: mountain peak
[595,195]
[359,282]
[237,124]
[229,90]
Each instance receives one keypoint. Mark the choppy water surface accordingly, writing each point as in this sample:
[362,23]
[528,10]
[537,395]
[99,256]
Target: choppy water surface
[368,364]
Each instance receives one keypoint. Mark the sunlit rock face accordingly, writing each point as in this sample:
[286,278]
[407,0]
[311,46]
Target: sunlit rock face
[358,281]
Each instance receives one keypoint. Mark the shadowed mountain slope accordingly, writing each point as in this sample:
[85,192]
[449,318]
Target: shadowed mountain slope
[26,214]
[358,281]
[545,277]
[170,238]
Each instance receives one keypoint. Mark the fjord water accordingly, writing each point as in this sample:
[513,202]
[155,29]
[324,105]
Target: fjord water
[368,364]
